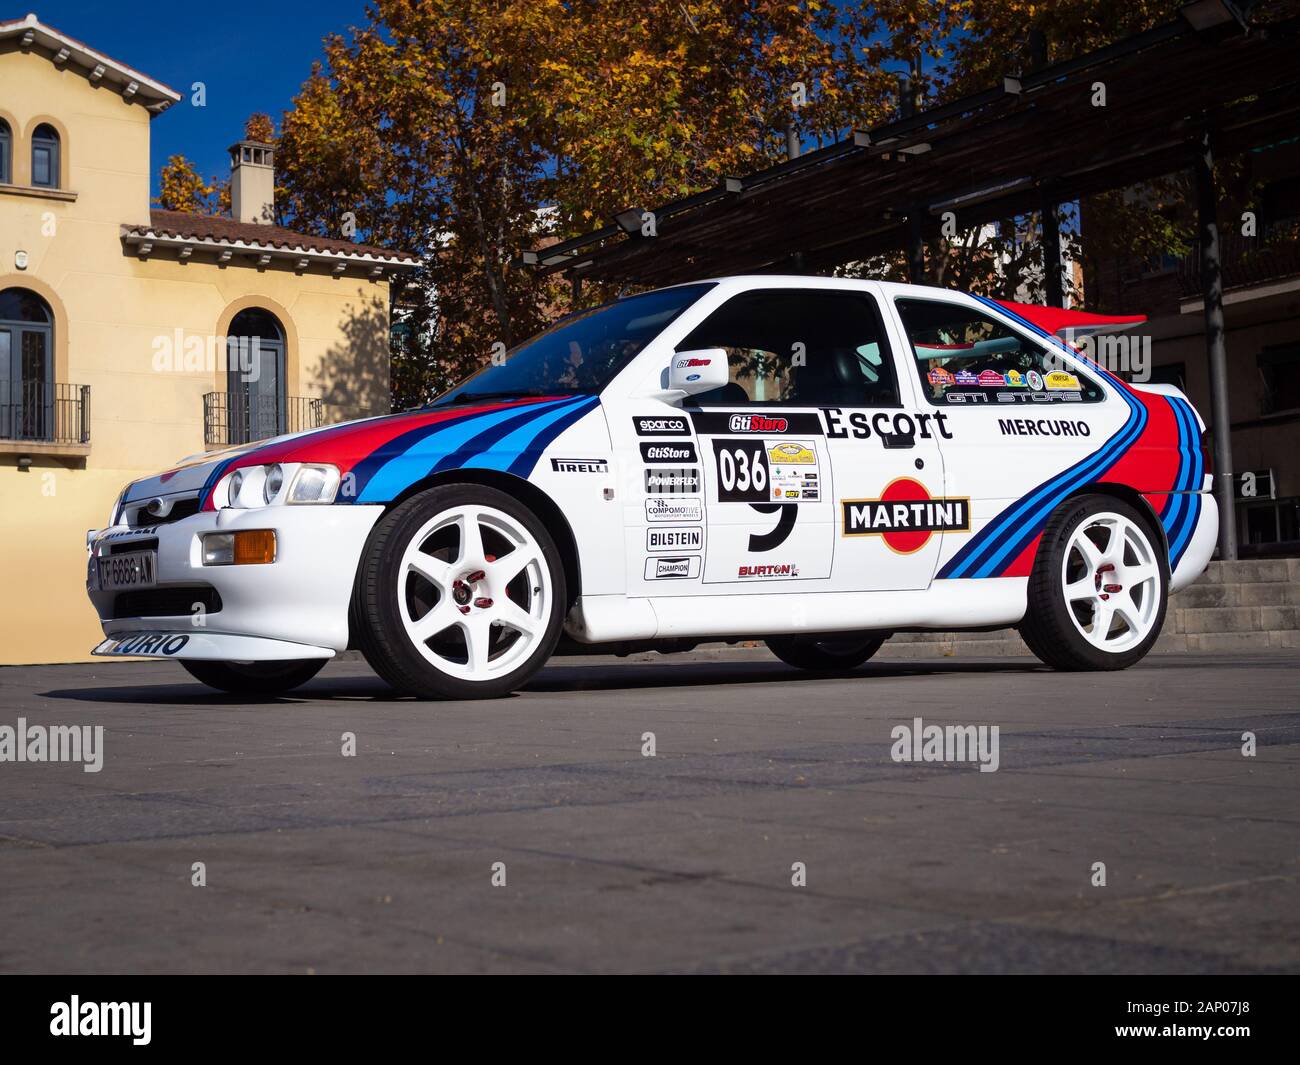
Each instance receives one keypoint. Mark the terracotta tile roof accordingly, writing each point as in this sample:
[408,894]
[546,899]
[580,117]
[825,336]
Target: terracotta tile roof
[184,226]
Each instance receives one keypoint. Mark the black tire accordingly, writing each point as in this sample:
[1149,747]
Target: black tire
[379,630]
[254,678]
[825,654]
[1048,627]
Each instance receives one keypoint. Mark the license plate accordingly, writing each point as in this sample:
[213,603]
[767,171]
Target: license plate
[137,569]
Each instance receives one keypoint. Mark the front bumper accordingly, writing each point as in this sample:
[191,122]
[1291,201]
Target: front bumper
[299,601]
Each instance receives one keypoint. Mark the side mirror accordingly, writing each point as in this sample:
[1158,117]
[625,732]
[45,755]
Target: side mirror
[702,370]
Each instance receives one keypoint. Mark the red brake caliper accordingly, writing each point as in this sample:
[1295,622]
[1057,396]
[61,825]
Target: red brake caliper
[1107,589]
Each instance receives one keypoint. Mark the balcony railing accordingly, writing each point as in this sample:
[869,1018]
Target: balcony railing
[238,418]
[1245,260]
[44,412]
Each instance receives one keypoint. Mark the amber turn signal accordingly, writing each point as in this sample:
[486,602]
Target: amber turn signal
[247,547]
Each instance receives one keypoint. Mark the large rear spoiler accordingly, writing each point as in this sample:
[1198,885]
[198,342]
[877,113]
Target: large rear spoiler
[1056,321]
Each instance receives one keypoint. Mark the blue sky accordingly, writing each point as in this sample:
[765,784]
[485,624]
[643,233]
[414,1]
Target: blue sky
[258,67]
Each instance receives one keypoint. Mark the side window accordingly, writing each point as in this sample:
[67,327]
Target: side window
[967,357]
[799,347]
[6,150]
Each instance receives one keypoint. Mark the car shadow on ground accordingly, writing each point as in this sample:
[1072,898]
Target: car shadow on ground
[559,677]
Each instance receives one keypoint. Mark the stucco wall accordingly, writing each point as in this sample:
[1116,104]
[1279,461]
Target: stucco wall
[110,310]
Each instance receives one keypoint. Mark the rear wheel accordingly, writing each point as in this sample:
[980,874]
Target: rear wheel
[254,678]
[1099,587]
[461,594]
[827,654]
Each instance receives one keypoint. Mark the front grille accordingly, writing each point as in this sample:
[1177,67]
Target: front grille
[166,602]
[125,547]
[136,516]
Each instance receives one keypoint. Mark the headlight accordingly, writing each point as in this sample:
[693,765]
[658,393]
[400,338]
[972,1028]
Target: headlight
[273,483]
[258,486]
[315,483]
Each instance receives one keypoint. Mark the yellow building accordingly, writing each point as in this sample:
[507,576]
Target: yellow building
[131,337]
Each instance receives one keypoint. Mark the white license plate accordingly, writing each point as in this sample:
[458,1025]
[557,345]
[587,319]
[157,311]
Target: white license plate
[138,569]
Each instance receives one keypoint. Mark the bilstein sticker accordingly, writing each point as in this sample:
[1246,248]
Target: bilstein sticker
[675,539]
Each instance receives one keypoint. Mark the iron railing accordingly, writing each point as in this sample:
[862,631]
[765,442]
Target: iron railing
[238,418]
[44,412]
[1244,260]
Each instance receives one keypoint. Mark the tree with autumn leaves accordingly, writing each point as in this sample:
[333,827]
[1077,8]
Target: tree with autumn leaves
[468,130]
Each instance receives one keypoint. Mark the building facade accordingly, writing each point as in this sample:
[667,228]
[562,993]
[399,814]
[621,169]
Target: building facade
[1260,253]
[131,337]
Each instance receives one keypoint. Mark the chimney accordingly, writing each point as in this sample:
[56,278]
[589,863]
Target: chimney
[252,182]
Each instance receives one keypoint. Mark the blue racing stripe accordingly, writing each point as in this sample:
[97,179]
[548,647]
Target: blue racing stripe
[517,452]
[395,471]
[485,439]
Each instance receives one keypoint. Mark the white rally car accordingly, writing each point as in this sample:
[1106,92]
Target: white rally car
[813,462]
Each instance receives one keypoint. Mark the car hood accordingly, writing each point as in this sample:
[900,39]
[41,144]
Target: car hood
[385,455]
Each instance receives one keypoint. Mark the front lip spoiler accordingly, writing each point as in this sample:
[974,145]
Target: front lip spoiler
[206,646]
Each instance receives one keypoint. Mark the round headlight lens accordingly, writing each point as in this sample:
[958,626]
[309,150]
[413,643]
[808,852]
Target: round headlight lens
[236,483]
[274,482]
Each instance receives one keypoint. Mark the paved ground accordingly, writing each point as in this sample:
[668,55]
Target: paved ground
[615,861]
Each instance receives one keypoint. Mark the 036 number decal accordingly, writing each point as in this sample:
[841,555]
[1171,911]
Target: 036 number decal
[743,475]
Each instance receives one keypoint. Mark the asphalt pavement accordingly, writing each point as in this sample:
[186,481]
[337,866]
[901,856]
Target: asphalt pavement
[772,830]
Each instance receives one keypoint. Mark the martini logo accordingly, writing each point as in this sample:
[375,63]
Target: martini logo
[756,423]
[905,516]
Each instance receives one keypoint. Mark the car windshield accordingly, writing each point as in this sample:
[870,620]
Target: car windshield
[580,354]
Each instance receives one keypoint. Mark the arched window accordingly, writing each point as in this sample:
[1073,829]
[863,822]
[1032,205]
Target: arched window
[6,154]
[45,156]
[256,371]
[26,366]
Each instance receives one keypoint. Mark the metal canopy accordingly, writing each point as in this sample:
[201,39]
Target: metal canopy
[993,155]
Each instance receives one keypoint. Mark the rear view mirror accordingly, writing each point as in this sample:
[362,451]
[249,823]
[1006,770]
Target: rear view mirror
[698,371]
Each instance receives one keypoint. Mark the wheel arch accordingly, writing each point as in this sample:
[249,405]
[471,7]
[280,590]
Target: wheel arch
[528,493]
[1136,500]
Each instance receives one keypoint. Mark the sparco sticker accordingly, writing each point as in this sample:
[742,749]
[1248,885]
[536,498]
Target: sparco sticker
[660,425]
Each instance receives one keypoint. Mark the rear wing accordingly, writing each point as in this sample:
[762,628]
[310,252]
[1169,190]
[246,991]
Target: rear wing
[1058,321]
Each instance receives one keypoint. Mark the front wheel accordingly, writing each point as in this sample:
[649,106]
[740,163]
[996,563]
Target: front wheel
[829,654]
[460,595]
[254,678]
[1099,587]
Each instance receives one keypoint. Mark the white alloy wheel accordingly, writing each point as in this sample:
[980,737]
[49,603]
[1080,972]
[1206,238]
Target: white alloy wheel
[474,592]
[1111,578]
